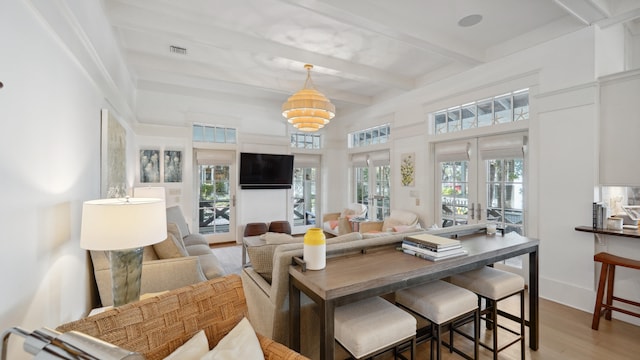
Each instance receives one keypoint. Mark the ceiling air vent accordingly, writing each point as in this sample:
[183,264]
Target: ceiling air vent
[177,50]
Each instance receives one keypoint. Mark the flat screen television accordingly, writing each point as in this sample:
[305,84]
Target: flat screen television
[266,171]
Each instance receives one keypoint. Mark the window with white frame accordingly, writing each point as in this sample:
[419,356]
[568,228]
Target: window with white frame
[375,135]
[305,141]
[214,134]
[510,107]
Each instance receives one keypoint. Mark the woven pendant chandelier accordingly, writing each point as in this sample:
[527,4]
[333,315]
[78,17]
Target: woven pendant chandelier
[308,109]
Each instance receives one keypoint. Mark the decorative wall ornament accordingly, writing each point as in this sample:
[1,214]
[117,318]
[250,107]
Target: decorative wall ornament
[172,166]
[407,169]
[149,166]
[113,166]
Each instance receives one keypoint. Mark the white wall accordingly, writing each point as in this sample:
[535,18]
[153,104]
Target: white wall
[49,160]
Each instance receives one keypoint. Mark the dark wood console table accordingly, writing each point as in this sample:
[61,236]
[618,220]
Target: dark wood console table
[354,277]
[632,233]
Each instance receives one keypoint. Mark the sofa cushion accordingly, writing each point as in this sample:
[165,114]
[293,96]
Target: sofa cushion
[175,215]
[211,266]
[279,238]
[170,248]
[194,239]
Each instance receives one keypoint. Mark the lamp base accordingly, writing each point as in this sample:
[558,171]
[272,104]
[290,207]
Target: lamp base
[126,269]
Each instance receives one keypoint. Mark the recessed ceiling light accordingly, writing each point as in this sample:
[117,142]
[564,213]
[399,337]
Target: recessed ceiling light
[470,20]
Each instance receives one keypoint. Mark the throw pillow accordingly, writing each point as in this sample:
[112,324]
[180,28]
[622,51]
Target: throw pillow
[240,343]
[172,246]
[194,349]
[277,238]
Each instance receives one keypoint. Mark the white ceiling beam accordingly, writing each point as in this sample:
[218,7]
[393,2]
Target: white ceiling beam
[587,11]
[150,68]
[145,17]
[449,50]
[620,18]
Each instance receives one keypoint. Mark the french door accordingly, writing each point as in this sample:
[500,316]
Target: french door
[216,200]
[372,183]
[305,204]
[482,179]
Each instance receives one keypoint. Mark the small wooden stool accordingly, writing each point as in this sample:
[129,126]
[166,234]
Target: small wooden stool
[253,229]
[608,270]
[280,226]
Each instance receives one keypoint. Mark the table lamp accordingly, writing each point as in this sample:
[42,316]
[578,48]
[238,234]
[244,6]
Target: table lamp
[123,227]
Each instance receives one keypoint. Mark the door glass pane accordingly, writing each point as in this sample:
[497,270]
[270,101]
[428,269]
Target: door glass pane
[214,211]
[454,192]
[505,194]
[381,199]
[362,185]
[304,196]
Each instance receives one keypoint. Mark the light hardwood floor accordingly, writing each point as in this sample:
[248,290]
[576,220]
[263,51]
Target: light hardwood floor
[565,333]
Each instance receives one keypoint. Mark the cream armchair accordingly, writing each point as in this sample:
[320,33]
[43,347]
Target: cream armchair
[397,221]
[182,259]
[337,223]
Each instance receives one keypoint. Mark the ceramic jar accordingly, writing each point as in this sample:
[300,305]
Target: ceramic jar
[315,249]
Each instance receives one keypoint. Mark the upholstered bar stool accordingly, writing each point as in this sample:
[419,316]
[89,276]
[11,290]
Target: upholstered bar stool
[372,326]
[495,285]
[442,304]
[609,263]
[280,226]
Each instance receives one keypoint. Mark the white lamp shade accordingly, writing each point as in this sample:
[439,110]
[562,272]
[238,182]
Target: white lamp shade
[119,224]
[155,192]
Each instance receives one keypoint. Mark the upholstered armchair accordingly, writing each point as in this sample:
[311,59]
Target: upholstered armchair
[337,223]
[181,259]
[397,221]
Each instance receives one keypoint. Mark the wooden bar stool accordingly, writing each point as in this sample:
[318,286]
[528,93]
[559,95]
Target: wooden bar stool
[607,275]
[442,304]
[373,326]
[495,285]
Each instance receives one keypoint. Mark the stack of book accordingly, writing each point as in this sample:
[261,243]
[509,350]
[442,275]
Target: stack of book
[432,247]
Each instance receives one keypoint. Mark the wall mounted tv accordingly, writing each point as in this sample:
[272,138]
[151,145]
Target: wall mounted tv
[266,171]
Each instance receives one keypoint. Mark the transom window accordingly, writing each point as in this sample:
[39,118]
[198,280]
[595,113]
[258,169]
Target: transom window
[499,109]
[214,134]
[375,135]
[305,141]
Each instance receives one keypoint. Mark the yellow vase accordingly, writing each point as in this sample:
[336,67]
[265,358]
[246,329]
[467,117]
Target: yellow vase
[315,249]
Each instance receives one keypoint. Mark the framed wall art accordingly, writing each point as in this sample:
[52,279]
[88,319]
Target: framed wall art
[172,166]
[149,166]
[113,162]
[408,169]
